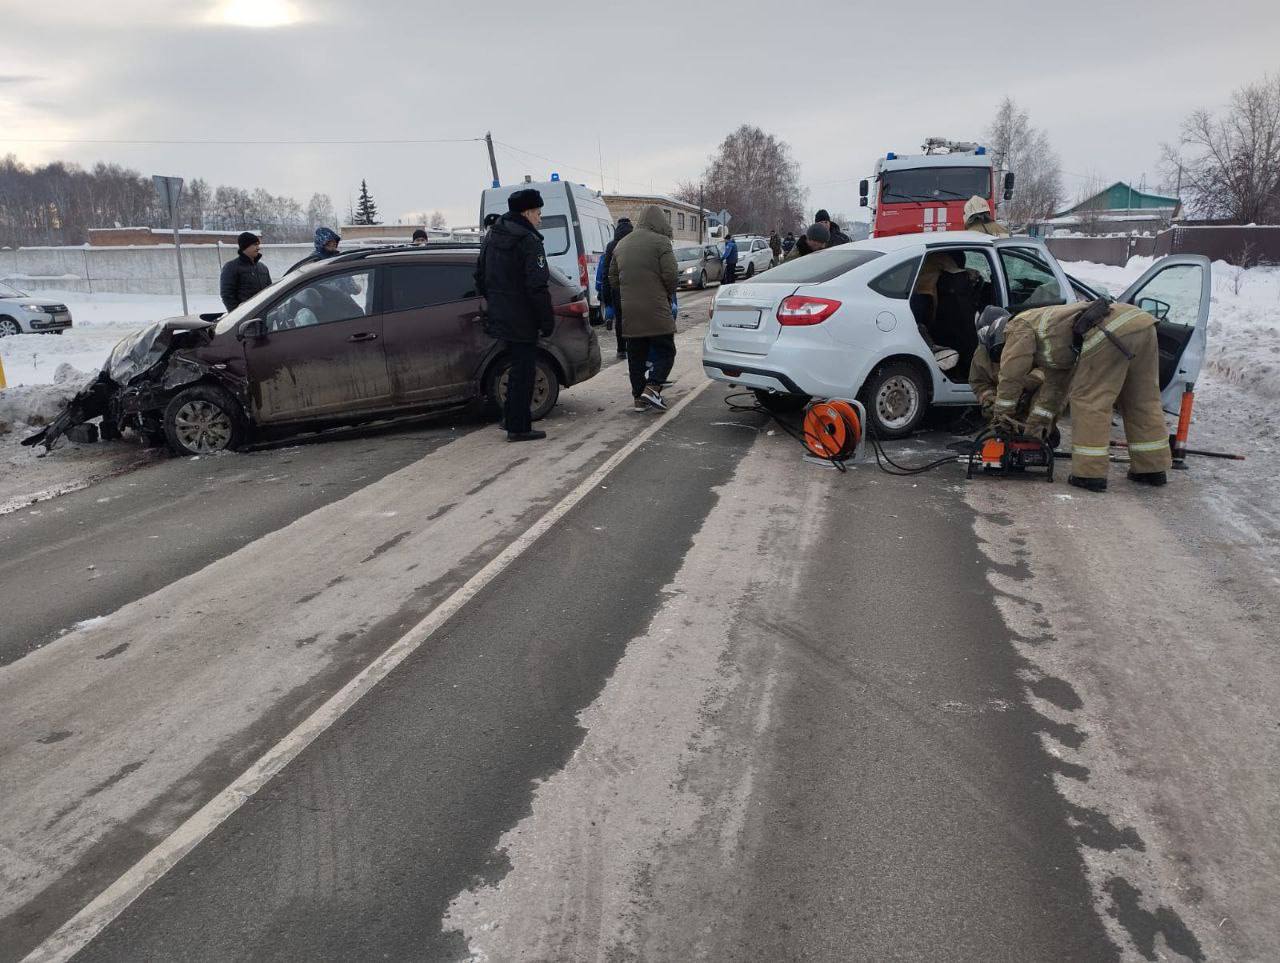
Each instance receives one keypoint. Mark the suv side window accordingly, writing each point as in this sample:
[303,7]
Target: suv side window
[335,297]
[1030,279]
[411,286]
[897,282]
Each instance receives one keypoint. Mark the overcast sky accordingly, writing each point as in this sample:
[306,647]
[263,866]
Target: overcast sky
[644,89]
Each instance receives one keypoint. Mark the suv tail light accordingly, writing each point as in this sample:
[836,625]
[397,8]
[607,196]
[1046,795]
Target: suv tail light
[800,309]
[572,309]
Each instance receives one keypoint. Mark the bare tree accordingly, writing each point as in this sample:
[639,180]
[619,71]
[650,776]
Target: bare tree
[1017,146]
[1228,164]
[438,221]
[752,175]
[319,212]
[198,198]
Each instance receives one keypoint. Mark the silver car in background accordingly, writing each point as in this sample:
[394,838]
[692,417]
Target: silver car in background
[20,313]
[698,264]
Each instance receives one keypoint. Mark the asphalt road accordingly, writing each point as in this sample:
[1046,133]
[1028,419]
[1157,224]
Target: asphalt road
[726,705]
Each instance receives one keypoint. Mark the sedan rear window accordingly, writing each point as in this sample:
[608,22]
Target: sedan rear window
[820,266]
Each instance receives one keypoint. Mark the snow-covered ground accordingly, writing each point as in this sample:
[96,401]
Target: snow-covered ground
[100,320]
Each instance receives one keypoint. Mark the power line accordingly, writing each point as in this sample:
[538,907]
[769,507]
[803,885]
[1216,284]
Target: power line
[240,143]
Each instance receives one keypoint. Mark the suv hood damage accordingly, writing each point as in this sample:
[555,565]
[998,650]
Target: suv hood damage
[138,364]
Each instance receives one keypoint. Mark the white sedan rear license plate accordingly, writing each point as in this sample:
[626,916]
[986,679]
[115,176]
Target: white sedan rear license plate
[738,319]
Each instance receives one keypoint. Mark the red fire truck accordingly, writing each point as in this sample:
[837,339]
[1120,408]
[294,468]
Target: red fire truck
[927,192]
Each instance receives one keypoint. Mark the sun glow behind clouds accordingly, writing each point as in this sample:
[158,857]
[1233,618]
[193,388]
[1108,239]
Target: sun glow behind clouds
[256,13]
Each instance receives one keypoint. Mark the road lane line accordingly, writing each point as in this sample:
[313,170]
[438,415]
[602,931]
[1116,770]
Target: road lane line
[78,931]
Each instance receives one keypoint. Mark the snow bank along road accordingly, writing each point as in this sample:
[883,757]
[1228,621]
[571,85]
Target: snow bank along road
[687,698]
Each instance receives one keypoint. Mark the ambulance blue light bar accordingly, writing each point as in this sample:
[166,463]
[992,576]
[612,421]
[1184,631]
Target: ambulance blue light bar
[554,178]
[891,156]
[980,150]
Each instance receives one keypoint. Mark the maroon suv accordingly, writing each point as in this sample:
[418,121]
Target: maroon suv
[360,337]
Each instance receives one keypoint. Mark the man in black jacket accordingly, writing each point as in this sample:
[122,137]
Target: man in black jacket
[245,275]
[607,294]
[512,276]
[837,236]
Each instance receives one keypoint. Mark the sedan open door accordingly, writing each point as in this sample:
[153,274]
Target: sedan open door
[1176,290]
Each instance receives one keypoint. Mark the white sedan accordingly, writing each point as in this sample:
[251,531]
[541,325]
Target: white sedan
[20,313]
[847,322]
[754,256]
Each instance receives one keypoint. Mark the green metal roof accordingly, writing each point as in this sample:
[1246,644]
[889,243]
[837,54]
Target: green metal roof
[1120,197]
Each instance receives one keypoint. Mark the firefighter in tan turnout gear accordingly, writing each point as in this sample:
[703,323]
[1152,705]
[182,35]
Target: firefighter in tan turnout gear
[1119,368]
[977,217]
[1037,358]
[984,369]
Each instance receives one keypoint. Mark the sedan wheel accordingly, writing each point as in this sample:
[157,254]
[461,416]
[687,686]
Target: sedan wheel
[702,280]
[896,400]
[8,327]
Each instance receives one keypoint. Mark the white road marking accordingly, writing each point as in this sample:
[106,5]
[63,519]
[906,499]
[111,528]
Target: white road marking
[78,931]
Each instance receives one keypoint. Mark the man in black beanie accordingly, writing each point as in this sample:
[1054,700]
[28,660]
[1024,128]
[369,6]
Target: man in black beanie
[833,229]
[245,275]
[512,276]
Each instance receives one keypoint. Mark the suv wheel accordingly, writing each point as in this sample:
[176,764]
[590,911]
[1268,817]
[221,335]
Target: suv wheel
[546,387]
[896,399]
[751,269]
[8,327]
[204,419]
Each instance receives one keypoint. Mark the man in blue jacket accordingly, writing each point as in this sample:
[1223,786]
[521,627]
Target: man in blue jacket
[730,261]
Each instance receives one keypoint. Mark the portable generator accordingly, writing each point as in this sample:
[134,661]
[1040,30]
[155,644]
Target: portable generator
[1004,455]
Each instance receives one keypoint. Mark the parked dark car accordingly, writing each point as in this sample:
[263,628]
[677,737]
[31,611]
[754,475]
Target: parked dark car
[361,337]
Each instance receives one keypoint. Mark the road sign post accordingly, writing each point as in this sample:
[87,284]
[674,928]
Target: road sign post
[169,190]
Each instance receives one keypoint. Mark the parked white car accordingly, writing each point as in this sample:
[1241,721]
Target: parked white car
[20,313]
[754,255]
[840,323]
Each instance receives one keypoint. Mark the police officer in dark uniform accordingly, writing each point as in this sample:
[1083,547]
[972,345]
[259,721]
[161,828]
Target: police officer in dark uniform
[512,276]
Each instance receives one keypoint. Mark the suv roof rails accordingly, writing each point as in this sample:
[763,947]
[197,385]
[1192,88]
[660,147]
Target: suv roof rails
[404,249]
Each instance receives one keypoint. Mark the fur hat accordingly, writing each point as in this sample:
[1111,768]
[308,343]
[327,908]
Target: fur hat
[523,200]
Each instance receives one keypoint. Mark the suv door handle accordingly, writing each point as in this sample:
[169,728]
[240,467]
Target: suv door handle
[363,336]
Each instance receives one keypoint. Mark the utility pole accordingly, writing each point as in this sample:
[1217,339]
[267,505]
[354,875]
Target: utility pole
[702,229]
[493,161]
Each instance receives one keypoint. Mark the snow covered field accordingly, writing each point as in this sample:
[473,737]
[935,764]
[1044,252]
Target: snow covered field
[1244,323]
[100,321]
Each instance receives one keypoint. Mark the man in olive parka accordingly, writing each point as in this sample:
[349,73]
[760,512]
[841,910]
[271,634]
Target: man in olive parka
[643,273]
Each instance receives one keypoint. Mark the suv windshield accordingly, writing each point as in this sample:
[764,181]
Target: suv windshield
[249,309]
[935,183]
[8,291]
[819,266]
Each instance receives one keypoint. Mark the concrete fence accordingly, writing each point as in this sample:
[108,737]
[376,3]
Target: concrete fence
[1247,246]
[132,270]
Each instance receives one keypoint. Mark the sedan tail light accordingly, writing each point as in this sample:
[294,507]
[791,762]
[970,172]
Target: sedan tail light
[800,309]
